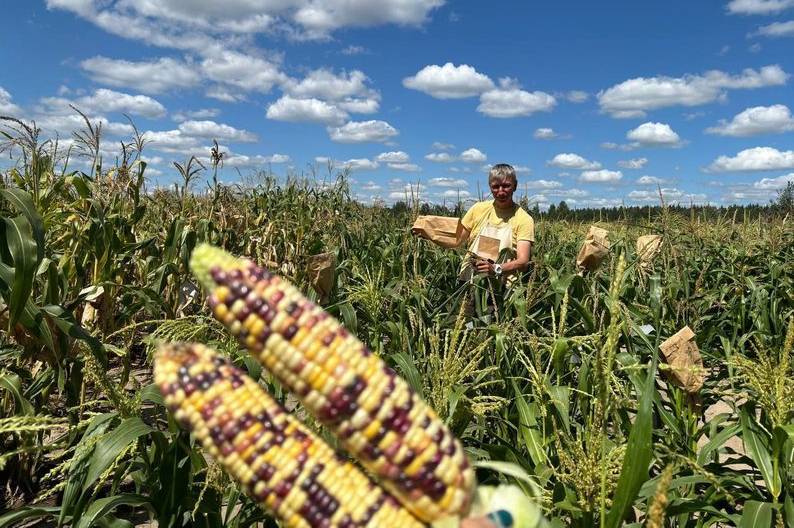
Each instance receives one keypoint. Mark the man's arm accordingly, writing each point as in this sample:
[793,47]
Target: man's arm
[520,263]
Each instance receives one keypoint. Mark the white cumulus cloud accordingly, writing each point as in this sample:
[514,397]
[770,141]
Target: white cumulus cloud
[447,182]
[473,155]
[201,113]
[774,183]
[650,180]
[758,7]
[654,135]
[357,164]
[777,29]
[247,72]
[573,161]
[440,157]
[326,85]
[212,130]
[188,24]
[104,100]
[155,76]
[311,110]
[755,121]
[600,176]
[449,81]
[635,163]
[577,96]
[634,97]
[372,131]
[242,160]
[541,184]
[170,140]
[509,100]
[405,167]
[393,157]
[7,107]
[754,159]
[438,145]
[455,194]
[544,133]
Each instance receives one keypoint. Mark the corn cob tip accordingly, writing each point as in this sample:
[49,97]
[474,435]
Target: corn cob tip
[172,353]
[205,258]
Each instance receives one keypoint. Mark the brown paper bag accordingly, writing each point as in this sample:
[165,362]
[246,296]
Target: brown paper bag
[439,229]
[686,365]
[648,246]
[488,248]
[594,249]
[321,274]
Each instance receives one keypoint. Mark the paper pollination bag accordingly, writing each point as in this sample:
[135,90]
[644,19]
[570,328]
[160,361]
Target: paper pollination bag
[686,365]
[648,246]
[594,249]
[439,229]
[321,270]
[488,247]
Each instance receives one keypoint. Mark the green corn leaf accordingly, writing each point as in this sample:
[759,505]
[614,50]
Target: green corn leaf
[408,371]
[638,456]
[512,470]
[101,507]
[14,517]
[109,447]
[152,394]
[716,442]
[13,384]
[66,323]
[756,442]
[756,515]
[22,247]
[527,427]
[24,204]
[349,317]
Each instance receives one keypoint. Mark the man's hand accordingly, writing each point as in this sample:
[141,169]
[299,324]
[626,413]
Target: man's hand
[484,266]
[496,519]
[478,522]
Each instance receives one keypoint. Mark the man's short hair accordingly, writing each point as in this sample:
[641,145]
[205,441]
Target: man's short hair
[502,171]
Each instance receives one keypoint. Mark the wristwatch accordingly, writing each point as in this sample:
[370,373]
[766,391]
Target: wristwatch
[497,270]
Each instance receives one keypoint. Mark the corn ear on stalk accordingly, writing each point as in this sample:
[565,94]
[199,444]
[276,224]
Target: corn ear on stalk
[376,415]
[279,462]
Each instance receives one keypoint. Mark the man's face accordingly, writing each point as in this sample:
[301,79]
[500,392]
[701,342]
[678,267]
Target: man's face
[502,191]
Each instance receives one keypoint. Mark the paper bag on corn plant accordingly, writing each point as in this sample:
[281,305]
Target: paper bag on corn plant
[442,230]
[321,274]
[648,246]
[683,357]
[594,249]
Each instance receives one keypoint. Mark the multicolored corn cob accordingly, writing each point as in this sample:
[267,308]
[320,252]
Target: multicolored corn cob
[279,462]
[373,412]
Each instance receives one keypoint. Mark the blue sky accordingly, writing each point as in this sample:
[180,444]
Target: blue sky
[597,103]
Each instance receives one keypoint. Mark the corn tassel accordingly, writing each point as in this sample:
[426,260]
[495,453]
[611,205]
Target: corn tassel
[280,463]
[375,414]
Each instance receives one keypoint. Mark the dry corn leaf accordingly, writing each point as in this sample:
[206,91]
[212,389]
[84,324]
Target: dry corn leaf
[648,246]
[321,274]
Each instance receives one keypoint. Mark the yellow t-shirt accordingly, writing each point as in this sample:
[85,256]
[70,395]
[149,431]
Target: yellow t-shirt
[484,215]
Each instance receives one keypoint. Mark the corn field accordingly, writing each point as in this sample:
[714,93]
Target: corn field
[561,389]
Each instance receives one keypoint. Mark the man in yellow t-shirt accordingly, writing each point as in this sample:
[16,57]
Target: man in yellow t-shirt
[492,226]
